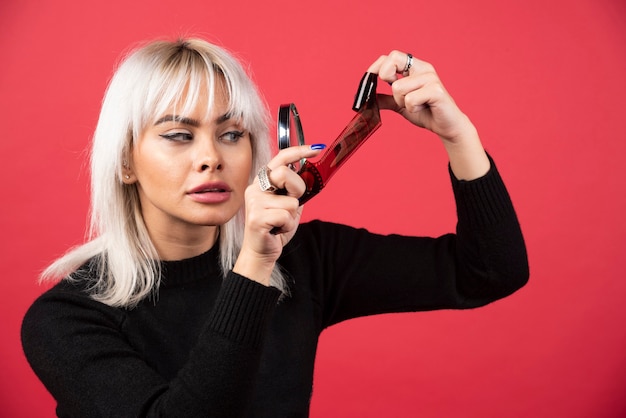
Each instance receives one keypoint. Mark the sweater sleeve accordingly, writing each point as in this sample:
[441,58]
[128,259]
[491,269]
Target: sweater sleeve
[77,348]
[363,273]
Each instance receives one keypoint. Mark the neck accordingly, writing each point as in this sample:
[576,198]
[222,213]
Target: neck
[173,246]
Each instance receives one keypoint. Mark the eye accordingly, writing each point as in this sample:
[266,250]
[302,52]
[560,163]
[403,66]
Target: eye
[177,136]
[232,136]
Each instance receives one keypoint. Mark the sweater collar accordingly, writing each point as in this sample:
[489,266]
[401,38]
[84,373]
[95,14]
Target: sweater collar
[191,269]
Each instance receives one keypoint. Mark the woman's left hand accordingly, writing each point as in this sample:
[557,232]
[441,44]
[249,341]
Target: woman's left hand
[419,96]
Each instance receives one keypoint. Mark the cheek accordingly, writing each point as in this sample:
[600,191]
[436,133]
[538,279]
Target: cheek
[243,166]
[154,168]
[243,174]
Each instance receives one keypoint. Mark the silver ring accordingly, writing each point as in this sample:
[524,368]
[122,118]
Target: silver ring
[409,63]
[264,180]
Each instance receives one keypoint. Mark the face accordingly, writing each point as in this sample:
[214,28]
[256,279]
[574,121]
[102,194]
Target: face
[191,172]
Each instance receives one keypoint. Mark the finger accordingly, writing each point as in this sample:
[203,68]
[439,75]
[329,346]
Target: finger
[291,155]
[259,204]
[279,173]
[407,87]
[281,219]
[287,181]
[286,224]
[375,67]
[428,81]
[389,66]
[385,67]
[428,96]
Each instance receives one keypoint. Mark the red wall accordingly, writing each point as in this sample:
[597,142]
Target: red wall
[544,81]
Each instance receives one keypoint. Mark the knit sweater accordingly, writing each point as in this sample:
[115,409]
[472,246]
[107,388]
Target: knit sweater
[227,347]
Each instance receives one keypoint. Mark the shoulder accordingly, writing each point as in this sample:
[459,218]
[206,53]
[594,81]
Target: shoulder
[64,308]
[74,289]
[65,320]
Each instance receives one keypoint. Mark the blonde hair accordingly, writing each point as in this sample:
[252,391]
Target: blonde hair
[123,264]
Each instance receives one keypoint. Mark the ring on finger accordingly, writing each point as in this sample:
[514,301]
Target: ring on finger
[264,180]
[409,63]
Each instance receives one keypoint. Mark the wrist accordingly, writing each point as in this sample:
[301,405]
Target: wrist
[464,132]
[468,159]
[254,267]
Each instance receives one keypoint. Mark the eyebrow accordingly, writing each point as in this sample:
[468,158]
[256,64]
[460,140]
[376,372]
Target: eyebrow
[189,121]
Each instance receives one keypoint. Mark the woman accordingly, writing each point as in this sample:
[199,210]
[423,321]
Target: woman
[199,293]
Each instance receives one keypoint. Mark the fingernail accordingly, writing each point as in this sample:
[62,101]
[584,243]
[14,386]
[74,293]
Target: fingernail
[318,146]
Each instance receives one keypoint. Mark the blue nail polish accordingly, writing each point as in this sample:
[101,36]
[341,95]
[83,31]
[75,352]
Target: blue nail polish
[318,146]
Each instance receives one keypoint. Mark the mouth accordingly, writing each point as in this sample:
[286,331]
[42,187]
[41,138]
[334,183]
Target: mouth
[214,187]
[211,190]
[211,193]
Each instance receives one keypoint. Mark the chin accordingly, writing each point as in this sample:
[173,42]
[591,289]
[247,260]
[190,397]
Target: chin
[214,220]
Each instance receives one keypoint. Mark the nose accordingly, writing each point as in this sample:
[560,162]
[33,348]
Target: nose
[207,156]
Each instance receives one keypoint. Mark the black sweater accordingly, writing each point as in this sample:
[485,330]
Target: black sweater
[213,347]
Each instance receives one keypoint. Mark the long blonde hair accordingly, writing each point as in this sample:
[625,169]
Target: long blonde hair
[123,263]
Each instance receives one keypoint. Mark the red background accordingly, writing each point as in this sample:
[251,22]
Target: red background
[542,80]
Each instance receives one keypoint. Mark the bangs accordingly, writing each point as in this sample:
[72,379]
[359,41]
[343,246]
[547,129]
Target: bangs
[181,77]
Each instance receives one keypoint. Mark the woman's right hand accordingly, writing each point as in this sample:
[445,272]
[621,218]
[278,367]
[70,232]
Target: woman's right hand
[272,219]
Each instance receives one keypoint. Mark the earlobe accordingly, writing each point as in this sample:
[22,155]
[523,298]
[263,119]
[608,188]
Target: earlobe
[128,177]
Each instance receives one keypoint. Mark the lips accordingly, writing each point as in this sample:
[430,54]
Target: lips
[216,187]
[210,193]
